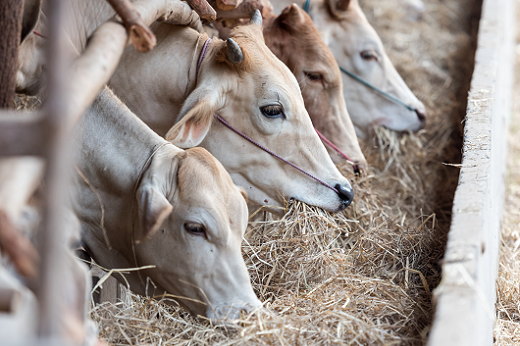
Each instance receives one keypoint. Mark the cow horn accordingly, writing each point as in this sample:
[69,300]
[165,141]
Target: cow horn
[256,18]
[234,52]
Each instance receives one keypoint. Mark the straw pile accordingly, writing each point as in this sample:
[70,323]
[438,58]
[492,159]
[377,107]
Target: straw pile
[362,277]
[507,328]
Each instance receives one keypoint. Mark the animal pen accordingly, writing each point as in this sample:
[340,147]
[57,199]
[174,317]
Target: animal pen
[412,261]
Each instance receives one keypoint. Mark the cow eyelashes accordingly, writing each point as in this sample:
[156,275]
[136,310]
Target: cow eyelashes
[195,229]
[313,76]
[273,111]
[369,55]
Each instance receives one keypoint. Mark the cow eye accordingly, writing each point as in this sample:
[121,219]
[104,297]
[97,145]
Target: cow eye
[369,55]
[195,229]
[273,111]
[313,76]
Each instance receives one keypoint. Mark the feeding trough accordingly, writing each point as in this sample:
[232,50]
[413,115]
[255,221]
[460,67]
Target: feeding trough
[465,309]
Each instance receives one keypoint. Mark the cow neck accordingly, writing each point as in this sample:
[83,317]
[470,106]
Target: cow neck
[135,219]
[124,148]
[85,17]
[200,49]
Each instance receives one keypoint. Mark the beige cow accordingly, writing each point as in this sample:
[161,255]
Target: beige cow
[249,87]
[142,201]
[357,48]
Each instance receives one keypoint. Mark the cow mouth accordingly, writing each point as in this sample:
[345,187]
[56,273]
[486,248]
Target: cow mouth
[339,206]
[228,314]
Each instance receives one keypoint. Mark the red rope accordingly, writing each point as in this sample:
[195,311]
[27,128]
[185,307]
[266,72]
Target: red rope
[329,143]
[274,154]
[39,34]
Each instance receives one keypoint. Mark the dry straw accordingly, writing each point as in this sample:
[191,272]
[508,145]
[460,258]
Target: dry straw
[507,328]
[362,277]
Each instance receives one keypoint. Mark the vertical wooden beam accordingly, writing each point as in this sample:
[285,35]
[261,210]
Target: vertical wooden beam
[11,12]
[51,236]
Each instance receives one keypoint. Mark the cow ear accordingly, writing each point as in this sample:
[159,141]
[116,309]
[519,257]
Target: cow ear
[195,124]
[292,16]
[31,14]
[153,209]
[338,7]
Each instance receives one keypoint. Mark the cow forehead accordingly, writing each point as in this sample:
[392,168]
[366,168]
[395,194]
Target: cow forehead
[206,186]
[265,67]
[268,85]
[273,77]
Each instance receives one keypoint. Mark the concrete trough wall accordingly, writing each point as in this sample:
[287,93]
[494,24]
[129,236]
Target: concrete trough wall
[465,298]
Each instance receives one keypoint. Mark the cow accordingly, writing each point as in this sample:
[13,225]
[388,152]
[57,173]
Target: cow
[358,49]
[82,19]
[293,38]
[142,201]
[242,81]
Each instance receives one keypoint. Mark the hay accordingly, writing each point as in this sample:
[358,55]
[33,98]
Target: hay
[362,277]
[507,327]
[25,102]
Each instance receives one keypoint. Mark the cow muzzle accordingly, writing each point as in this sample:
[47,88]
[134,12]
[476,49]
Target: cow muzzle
[346,194]
[231,312]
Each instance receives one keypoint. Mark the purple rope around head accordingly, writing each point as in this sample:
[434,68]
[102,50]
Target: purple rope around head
[274,154]
[202,54]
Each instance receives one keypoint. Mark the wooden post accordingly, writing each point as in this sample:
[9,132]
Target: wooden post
[51,236]
[11,12]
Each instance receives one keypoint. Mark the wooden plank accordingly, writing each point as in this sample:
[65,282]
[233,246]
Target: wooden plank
[110,291]
[465,298]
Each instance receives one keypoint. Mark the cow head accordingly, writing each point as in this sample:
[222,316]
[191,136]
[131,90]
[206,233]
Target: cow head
[191,222]
[248,86]
[293,38]
[357,48]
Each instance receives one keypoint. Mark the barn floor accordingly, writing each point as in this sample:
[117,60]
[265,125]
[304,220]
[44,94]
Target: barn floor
[363,277]
[507,327]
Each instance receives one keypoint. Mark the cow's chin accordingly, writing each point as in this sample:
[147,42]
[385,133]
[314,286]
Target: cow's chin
[275,203]
[326,204]
[279,211]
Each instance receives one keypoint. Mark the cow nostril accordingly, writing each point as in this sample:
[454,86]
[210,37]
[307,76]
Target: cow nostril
[421,114]
[345,193]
